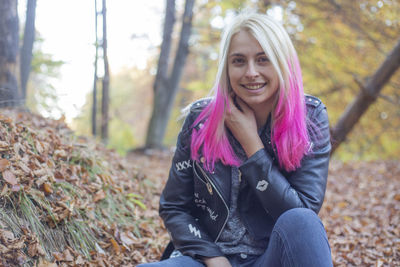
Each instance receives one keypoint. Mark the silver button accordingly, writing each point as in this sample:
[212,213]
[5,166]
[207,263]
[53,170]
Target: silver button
[243,255]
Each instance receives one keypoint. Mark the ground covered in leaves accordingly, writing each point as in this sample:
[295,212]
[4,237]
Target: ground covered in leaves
[361,212]
[68,201]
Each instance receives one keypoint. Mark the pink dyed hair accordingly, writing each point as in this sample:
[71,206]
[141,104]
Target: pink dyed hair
[289,128]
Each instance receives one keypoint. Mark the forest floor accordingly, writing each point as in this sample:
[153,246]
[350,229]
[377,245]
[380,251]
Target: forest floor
[361,211]
[68,201]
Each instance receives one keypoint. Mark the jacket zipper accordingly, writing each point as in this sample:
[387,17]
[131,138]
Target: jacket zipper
[220,196]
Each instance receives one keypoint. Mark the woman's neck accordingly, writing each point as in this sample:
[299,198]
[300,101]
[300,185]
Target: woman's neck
[261,113]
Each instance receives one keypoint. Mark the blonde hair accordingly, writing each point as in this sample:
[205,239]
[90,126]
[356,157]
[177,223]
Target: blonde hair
[289,130]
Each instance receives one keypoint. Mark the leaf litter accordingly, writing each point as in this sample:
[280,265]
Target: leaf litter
[87,206]
[68,201]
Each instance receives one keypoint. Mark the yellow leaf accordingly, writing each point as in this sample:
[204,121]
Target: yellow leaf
[347,218]
[115,245]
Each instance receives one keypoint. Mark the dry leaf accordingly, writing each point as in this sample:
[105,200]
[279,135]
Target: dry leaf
[128,238]
[99,196]
[4,163]
[44,263]
[9,177]
[116,247]
[3,145]
[24,167]
[46,187]
[67,255]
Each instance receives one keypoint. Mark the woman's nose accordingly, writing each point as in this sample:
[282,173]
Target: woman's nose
[251,71]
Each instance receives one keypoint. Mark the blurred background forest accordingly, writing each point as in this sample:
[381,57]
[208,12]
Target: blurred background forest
[341,45]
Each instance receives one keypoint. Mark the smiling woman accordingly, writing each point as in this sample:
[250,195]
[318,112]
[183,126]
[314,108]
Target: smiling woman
[256,160]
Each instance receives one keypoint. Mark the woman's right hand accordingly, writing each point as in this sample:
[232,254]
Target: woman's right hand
[217,262]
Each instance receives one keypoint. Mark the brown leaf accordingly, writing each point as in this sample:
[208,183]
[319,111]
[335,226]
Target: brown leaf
[44,263]
[68,256]
[4,163]
[4,190]
[46,187]
[24,167]
[6,236]
[58,256]
[39,147]
[9,177]
[3,145]
[99,196]
[115,246]
[33,250]
[127,238]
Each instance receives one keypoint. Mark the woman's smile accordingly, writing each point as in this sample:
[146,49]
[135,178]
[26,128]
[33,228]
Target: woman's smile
[254,86]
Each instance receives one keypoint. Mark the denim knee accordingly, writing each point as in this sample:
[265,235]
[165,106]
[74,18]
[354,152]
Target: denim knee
[299,219]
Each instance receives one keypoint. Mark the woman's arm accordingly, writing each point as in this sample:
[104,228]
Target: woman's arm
[279,191]
[176,203]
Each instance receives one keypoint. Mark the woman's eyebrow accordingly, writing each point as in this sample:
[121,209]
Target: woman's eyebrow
[236,55]
[241,55]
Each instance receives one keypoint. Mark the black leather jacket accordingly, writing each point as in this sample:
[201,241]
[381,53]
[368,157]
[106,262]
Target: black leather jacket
[195,203]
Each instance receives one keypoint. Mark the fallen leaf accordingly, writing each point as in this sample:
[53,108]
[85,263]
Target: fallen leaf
[46,187]
[127,238]
[99,196]
[115,246]
[4,163]
[44,263]
[9,177]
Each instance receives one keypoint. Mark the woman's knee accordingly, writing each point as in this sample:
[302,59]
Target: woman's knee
[299,219]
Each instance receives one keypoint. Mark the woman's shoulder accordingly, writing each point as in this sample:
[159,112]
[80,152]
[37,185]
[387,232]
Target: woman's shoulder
[313,101]
[316,110]
[192,111]
[200,104]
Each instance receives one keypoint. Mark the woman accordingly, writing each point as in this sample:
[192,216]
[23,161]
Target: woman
[249,173]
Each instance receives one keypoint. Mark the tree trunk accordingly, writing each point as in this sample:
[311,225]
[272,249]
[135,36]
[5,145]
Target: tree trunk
[106,81]
[27,46]
[154,132]
[165,88]
[94,103]
[9,95]
[367,95]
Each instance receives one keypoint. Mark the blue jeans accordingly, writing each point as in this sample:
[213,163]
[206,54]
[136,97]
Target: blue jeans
[297,239]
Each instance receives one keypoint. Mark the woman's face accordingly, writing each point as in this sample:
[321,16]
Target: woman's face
[251,74]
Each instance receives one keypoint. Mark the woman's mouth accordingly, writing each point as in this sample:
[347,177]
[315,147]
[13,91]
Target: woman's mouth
[254,86]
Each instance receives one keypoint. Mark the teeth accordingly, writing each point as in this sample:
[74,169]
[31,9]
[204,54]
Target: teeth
[254,87]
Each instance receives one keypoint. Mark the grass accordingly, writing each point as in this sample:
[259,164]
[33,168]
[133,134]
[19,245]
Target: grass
[80,236]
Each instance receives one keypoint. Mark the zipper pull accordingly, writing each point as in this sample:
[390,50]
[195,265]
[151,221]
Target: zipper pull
[209,188]
[240,176]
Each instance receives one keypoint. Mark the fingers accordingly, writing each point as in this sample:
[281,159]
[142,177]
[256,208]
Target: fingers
[242,105]
[232,106]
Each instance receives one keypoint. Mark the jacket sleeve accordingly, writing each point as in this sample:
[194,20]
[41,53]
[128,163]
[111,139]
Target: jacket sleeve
[176,203]
[279,191]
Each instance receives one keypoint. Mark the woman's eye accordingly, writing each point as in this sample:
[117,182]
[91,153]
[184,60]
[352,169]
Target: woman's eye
[238,61]
[263,59]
